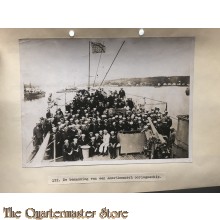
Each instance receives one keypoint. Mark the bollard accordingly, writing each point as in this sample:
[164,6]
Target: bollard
[85,151]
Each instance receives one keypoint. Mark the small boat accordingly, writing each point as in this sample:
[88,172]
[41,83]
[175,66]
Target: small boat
[68,89]
[32,92]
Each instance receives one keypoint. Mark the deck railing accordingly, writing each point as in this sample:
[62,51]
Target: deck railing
[38,158]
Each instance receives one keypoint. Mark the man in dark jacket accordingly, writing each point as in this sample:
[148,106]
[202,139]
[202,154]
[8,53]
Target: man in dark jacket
[46,127]
[67,151]
[37,140]
[93,147]
[98,141]
[112,145]
[93,127]
[122,93]
[38,135]
[48,114]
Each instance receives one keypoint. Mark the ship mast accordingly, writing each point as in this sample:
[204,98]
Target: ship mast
[89,69]
[111,64]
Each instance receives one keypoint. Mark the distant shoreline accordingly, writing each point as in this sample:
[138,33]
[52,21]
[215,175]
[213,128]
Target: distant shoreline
[145,86]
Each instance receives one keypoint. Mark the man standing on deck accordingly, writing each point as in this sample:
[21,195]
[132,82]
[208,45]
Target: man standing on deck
[48,114]
[37,140]
[38,135]
[122,93]
[46,127]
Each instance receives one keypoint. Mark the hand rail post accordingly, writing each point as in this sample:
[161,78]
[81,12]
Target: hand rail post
[54,148]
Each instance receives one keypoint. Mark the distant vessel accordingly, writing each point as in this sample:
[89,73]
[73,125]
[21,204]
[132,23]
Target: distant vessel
[32,92]
[68,89]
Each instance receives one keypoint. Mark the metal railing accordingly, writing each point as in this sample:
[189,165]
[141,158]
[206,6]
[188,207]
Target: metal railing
[39,156]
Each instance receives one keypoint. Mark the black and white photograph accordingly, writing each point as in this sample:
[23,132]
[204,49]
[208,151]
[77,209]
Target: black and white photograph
[106,100]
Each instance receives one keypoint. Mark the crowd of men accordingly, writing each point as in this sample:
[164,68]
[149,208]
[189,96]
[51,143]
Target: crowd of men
[93,120]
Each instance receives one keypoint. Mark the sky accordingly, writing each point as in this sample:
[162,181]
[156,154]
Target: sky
[57,63]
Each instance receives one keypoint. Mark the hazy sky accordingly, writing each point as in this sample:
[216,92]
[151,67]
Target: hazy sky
[61,62]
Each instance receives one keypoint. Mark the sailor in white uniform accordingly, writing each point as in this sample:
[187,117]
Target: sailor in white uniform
[104,146]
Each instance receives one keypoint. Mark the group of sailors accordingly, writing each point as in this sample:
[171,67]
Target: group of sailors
[94,119]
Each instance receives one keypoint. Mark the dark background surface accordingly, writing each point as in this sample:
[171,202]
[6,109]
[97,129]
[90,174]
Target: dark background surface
[214,189]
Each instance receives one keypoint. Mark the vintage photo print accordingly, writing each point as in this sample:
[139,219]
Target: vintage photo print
[106,101]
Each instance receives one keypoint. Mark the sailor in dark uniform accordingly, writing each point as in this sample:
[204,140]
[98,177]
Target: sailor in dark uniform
[38,135]
[48,114]
[59,143]
[122,93]
[46,126]
[112,145]
[93,147]
[100,125]
[68,134]
[120,126]
[130,103]
[37,139]
[98,141]
[59,114]
[127,126]
[106,125]
[93,127]
[67,151]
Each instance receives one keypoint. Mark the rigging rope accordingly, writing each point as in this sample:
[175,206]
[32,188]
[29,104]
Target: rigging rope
[29,144]
[112,64]
[147,98]
[97,69]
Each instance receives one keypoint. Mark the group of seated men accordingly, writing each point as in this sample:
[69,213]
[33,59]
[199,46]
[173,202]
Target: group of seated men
[92,119]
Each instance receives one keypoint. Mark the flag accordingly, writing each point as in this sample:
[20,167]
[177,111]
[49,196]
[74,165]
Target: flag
[97,47]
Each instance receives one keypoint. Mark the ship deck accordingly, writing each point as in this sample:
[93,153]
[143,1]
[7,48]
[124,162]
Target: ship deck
[95,158]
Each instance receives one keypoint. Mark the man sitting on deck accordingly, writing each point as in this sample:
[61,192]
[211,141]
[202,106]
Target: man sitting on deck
[104,146]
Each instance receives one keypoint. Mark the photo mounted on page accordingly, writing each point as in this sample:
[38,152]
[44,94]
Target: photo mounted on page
[106,101]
